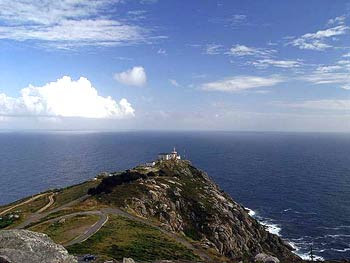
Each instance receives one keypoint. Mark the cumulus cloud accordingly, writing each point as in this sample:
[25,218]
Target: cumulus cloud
[133,77]
[239,83]
[64,98]
[242,50]
[67,24]
[317,40]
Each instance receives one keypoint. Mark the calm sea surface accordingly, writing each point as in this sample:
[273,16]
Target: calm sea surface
[297,184]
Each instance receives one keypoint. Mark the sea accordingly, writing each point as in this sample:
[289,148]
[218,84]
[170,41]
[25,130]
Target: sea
[297,184]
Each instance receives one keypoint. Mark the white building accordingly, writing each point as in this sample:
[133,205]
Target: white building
[169,156]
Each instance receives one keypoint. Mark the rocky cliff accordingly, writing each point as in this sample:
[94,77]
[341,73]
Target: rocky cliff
[19,246]
[185,200]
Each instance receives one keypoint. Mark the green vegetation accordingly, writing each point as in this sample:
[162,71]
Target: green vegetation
[65,230]
[23,210]
[7,221]
[121,193]
[72,193]
[122,237]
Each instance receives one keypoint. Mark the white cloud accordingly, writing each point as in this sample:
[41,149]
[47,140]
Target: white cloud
[162,51]
[231,21]
[64,98]
[67,23]
[326,69]
[174,83]
[133,77]
[241,50]
[213,49]
[317,41]
[239,83]
[347,55]
[321,104]
[339,20]
[263,63]
[341,78]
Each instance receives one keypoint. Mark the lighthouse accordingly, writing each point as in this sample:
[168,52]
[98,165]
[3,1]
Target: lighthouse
[169,156]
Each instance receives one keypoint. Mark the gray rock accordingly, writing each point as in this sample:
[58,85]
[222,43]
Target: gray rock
[18,246]
[4,259]
[266,258]
[128,260]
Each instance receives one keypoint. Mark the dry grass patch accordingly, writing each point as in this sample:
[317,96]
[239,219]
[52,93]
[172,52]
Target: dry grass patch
[65,230]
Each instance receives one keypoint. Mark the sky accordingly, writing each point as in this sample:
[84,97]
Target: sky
[266,65]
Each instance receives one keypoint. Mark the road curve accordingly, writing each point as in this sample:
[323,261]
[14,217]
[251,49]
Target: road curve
[36,217]
[103,213]
[50,203]
[90,232]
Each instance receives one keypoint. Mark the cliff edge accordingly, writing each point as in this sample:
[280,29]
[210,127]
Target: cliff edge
[185,200]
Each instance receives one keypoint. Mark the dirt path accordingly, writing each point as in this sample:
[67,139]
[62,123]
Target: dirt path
[36,217]
[103,213]
[50,203]
[22,203]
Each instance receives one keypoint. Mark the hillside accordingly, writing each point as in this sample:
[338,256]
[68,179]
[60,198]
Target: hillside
[170,211]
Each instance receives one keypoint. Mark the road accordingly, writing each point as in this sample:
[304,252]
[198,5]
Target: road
[22,203]
[36,217]
[50,203]
[103,213]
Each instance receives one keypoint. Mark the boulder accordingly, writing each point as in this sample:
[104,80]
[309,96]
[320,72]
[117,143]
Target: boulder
[4,259]
[264,258]
[128,260]
[18,246]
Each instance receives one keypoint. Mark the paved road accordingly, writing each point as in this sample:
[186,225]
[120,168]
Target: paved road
[103,213]
[91,231]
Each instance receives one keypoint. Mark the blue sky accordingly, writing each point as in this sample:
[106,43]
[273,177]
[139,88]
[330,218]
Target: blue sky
[175,65]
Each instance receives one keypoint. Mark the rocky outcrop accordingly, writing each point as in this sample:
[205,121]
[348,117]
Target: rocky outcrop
[184,199]
[263,258]
[19,246]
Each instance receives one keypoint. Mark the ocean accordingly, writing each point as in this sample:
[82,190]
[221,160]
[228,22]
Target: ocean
[297,184]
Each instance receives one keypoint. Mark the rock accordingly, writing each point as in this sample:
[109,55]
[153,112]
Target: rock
[263,258]
[18,246]
[4,259]
[198,208]
[128,260]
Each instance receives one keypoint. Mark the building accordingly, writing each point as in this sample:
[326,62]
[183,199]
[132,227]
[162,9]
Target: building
[169,156]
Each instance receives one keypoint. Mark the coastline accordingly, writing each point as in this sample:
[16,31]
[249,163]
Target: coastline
[276,229]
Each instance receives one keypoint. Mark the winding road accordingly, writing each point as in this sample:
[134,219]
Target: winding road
[104,217]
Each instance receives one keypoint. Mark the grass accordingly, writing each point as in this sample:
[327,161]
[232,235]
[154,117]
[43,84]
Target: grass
[6,221]
[64,231]
[23,211]
[122,237]
[72,193]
